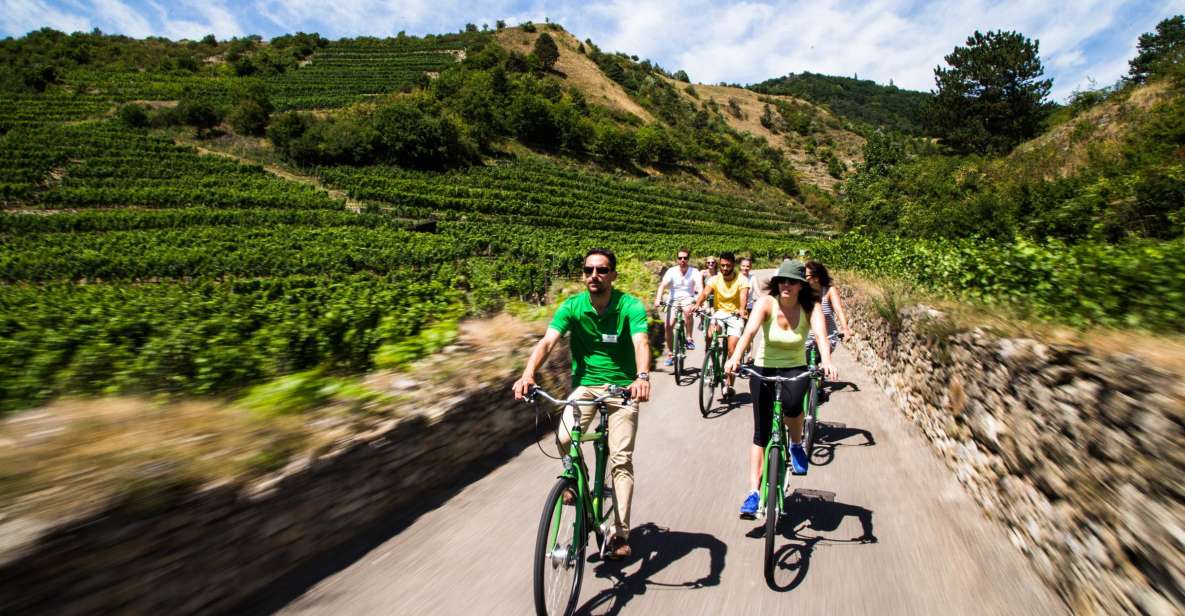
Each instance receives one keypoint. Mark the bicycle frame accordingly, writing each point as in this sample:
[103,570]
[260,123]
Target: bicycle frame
[777,440]
[590,500]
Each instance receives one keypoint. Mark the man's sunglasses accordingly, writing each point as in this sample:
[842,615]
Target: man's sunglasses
[602,270]
[682,257]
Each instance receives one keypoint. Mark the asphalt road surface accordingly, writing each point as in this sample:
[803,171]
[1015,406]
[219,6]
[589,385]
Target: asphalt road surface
[878,526]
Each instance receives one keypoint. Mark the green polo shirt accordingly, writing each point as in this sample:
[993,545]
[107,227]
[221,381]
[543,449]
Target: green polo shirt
[602,344]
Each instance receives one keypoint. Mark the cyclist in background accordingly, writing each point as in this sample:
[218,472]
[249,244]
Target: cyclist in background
[821,283]
[783,319]
[747,272]
[609,346]
[709,270]
[732,294]
[685,283]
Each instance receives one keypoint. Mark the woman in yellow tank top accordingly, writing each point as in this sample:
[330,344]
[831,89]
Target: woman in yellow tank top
[784,318]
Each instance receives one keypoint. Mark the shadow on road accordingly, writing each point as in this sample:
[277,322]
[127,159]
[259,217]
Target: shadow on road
[832,435]
[292,585]
[656,548]
[811,517]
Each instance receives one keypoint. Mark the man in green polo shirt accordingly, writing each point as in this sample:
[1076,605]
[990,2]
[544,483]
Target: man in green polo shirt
[609,347]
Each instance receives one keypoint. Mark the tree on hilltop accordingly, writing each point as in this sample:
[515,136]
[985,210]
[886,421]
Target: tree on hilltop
[1155,52]
[546,51]
[992,96]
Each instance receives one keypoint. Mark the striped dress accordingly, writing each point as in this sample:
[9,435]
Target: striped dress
[829,316]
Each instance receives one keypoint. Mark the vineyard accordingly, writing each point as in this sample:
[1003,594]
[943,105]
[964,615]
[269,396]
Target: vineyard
[129,263]
[342,73]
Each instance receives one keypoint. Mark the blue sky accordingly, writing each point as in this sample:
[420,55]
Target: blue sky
[741,41]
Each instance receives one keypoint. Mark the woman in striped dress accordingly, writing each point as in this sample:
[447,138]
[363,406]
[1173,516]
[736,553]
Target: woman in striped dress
[837,320]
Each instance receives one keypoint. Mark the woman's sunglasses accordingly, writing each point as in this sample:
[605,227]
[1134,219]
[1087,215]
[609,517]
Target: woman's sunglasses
[602,270]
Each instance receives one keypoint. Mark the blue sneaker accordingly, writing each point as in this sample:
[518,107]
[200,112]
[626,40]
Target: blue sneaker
[798,459]
[690,345]
[749,507]
[670,361]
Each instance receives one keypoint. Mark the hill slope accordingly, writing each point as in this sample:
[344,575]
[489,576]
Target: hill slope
[862,101]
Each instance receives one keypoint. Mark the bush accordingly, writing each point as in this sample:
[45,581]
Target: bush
[249,118]
[614,144]
[415,132]
[287,128]
[134,115]
[203,115]
[656,145]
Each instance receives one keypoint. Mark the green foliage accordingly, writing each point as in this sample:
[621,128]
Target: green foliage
[738,163]
[656,146]
[1135,284]
[991,97]
[681,75]
[546,51]
[1157,53]
[864,102]
[1131,190]
[133,115]
[202,115]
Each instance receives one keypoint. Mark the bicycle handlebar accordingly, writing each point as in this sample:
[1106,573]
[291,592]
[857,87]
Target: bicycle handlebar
[613,391]
[747,372]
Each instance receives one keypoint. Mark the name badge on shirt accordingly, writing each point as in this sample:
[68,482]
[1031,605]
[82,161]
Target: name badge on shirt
[609,338]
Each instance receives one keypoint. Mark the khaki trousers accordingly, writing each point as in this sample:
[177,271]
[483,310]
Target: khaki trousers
[623,426]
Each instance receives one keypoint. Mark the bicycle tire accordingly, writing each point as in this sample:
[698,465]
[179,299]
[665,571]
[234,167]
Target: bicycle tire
[707,382]
[773,488]
[810,418]
[680,352]
[559,596]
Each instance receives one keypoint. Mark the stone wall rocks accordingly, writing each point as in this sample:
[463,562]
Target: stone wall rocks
[1080,455]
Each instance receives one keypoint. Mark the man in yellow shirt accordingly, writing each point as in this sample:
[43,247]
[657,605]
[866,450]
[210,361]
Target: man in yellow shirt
[732,298]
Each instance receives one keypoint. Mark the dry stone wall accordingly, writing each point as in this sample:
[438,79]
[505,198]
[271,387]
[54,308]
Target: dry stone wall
[1080,455]
[205,549]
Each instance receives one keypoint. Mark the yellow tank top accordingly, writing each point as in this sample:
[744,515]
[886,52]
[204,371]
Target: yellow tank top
[783,348]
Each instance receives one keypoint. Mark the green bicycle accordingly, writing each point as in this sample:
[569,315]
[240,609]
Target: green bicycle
[679,345]
[810,404]
[572,510]
[711,376]
[774,465]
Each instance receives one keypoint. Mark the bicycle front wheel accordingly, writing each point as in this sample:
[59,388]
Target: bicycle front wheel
[773,504]
[810,418]
[707,382]
[559,552]
[680,352]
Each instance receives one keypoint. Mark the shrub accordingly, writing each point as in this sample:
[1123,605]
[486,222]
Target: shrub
[133,115]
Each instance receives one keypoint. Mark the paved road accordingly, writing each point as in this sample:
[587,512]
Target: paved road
[880,527]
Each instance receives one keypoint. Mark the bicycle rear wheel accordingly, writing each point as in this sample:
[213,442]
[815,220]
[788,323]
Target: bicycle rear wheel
[708,382]
[559,553]
[810,418]
[773,504]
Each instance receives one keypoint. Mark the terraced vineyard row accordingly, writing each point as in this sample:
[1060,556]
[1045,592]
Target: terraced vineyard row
[101,164]
[344,72]
[543,194]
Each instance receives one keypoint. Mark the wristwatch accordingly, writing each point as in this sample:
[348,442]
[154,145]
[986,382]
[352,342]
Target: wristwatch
[643,376]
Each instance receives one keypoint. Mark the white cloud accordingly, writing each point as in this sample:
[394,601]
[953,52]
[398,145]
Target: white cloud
[18,17]
[115,16]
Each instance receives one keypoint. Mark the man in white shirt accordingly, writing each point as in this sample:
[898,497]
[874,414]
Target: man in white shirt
[685,285]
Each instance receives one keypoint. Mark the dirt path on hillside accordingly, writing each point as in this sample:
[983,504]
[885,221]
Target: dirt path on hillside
[284,174]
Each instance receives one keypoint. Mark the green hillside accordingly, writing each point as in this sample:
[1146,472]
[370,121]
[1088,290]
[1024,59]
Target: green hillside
[865,103]
[199,216]
[432,177]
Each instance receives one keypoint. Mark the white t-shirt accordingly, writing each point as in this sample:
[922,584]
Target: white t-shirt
[682,285]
